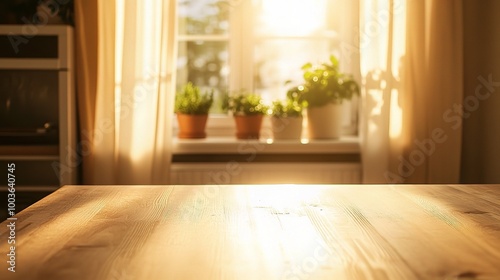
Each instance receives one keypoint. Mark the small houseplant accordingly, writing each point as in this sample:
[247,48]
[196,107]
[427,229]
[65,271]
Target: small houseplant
[324,89]
[286,119]
[248,110]
[191,108]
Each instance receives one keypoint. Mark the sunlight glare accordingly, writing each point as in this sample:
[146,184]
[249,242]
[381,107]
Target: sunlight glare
[138,43]
[293,17]
[285,196]
[396,122]
[119,20]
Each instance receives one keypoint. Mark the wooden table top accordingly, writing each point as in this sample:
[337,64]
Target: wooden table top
[258,232]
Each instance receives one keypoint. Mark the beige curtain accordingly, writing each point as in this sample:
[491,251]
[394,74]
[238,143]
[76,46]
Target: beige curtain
[86,79]
[413,69]
[134,92]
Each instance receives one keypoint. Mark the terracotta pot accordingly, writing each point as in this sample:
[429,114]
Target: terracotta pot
[288,128]
[192,126]
[324,122]
[248,127]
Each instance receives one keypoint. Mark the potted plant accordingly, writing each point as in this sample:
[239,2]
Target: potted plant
[323,90]
[191,108]
[248,110]
[286,120]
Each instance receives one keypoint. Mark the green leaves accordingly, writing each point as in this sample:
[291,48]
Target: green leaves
[307,66]
[334,62]
[190,100]
[245,104]
[289,108]
[323,84]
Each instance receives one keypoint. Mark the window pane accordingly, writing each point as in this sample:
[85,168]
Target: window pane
[205,64]
[277,61]
[203,17]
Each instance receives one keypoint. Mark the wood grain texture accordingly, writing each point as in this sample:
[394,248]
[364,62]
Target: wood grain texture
[259,232]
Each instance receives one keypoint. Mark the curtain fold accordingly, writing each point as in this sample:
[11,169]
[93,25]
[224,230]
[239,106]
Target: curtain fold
[104,164]
[86,79]
[446,79]
[135,85]
[410,133]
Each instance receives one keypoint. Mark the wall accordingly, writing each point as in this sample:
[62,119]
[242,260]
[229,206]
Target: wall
[481,138]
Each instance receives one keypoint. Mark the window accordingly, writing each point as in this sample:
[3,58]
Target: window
[203,50]
[258,45]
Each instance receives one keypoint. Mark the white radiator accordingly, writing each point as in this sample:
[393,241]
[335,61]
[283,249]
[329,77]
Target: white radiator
[265,173]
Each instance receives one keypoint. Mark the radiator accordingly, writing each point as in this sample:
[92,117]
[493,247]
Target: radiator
[265,173]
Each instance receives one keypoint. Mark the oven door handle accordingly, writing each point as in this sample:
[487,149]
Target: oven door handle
[48,127]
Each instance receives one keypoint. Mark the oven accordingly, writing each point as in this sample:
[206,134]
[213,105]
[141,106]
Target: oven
[35,71]
[37,102]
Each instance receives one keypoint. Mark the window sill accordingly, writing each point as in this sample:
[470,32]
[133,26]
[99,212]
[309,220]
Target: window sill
[230,145]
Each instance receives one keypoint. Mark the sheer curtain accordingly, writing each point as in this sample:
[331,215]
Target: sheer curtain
[135,81]
[382,48]
[412,61]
